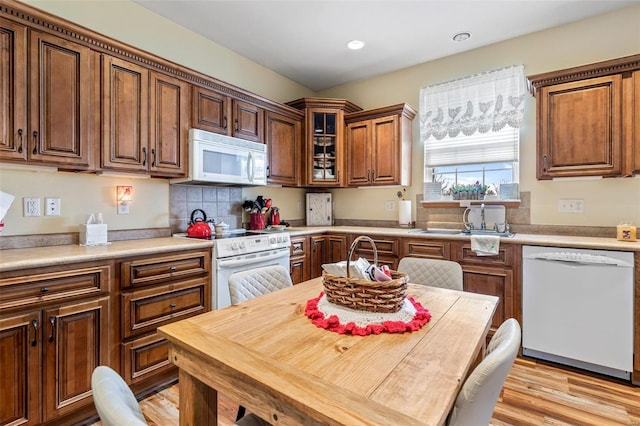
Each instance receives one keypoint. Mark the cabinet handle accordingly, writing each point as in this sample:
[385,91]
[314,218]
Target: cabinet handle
[35,142]
[225,122]
[544,164]
[173,305]
[144,156]
[153,157]
[34,324]
[172,268]
[236,126]
[20,147]
[52,321]
[368,175]
[44,289]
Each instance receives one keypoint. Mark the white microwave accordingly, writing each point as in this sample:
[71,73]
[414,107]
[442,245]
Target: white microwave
[216,158]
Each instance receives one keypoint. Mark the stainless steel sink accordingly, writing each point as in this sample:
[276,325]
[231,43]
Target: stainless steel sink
[461,233]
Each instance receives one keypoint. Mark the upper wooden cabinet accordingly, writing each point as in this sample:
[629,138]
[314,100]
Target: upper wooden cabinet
[168,125]
[379,146]
[145,120]
[283,136]
[219,113]
[49,104]
[585,120]
[324,139]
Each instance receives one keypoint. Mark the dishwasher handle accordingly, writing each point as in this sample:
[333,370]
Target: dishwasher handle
[579,258]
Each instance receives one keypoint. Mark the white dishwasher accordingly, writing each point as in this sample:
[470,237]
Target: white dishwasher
[577,308]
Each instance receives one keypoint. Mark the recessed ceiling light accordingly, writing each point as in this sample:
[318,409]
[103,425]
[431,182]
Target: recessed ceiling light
[461,37]
[355,44]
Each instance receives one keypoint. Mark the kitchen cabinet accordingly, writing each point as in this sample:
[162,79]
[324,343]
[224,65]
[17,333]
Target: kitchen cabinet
[219,113]
[494,275]
[125,115]
[168,125]
[631,130]
[49,87]
[585,120]
[324,140]
[329,248]
[145,119]
[387,249]
[426,248]
[283,136]
[299,259]
[157,290]
[54,330]
[379,146]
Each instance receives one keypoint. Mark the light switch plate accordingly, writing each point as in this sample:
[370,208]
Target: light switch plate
[574,205]
[51,206]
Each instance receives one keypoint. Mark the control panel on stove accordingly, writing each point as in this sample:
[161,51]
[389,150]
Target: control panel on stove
[251,244]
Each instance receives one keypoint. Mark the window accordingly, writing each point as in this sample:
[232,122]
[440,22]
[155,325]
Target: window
[472,151]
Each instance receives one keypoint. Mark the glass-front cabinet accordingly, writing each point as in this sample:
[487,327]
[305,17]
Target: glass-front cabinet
[324,140]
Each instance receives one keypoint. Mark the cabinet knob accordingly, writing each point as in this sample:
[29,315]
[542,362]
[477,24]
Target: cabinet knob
[44,289]
[172,268]
[173,305]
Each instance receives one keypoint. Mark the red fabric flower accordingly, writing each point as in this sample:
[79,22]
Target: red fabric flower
[421,317]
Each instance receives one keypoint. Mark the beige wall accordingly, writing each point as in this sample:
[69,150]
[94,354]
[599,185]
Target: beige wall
[604,37]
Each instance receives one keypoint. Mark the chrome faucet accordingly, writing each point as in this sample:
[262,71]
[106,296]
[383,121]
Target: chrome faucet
[483,224]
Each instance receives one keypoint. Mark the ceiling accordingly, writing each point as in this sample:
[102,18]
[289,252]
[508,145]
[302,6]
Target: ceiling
[305,40]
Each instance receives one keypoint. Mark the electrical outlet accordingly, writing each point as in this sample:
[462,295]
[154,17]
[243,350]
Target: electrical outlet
[51,206]
[31,206]
[299,206]
[389,205]
[571,205]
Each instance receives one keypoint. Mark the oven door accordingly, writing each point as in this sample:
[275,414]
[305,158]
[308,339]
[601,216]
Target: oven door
[224,268]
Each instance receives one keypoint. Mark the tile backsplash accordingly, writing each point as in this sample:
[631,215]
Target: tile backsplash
[222,203]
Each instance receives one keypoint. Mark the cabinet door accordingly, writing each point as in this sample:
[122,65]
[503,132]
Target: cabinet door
[325,128]
[20,346]
[210,111]
[13,93]
[358,155]
[580,127]
[75,343]
[125,127]
[384,151]
[62,79]
[317,255]
[298,269]
[284,149]
[336,248]
[248,121]
[633,140]
[494,282]
[168,125]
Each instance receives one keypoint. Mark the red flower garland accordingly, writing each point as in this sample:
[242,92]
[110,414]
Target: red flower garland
[332,323]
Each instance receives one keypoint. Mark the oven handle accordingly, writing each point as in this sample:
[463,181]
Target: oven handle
[230,263]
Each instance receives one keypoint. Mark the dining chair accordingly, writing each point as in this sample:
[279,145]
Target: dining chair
[432,272]
[252,283]
[479,394]
[117,405]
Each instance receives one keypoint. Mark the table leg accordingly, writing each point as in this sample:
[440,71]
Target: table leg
[198,402]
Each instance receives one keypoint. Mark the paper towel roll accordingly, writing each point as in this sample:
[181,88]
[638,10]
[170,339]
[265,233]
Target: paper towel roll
[404,212]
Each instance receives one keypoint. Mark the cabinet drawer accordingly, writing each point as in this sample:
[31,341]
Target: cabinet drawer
[298,246]
[505,257]
[54,285]
[384,246]
[144,357]
[145,310]
[156,269]
[433,249]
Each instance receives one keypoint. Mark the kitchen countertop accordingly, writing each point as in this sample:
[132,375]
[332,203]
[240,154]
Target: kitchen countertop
[12,259]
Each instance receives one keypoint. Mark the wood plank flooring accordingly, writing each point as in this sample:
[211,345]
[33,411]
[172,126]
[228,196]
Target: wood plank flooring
[535,394]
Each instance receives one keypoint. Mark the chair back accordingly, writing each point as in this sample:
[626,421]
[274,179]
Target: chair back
[246,285]
[432,272]
[479,394]
[114,401]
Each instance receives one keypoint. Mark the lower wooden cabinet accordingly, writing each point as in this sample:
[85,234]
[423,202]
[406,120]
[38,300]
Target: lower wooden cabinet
[494,275]
[51,342]
[387,249]
[299,259]
[326,249]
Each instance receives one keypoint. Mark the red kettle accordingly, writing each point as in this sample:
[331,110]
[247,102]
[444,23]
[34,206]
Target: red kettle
[198,227]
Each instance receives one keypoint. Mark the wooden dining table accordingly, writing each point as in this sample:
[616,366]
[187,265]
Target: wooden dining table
[269,357]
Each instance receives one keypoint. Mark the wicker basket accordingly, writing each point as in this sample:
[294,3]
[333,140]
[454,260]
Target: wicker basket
[365,295]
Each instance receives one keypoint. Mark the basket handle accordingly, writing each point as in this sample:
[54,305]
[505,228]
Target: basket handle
[353,246]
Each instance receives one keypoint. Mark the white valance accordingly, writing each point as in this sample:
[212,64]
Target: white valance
[479,103]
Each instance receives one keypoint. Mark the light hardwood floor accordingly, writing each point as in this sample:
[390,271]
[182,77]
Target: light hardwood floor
[535,393]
